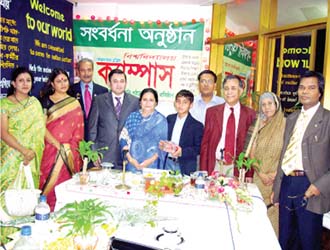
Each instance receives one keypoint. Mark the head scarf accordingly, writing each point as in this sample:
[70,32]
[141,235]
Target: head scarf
[274,98]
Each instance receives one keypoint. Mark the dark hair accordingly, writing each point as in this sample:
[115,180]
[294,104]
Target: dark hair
[207,71]
[14,74]
[318,76]
[84,60]
[149,90]
[116,71]
[231,77]
[185,93]
[48,88]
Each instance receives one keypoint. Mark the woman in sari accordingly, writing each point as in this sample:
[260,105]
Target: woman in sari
[266,147]
[22,135]
[65,129]
[143,131]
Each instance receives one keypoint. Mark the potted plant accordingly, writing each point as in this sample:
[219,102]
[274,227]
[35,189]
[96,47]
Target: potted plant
[81,219]
[85,150]
[244,164]
[88,154]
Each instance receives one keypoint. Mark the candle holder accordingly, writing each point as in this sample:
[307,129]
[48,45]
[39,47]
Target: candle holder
[123,185]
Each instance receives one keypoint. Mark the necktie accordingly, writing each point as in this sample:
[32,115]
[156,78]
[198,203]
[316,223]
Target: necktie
[118,106]
[230,138]
[290,159]
[88,100]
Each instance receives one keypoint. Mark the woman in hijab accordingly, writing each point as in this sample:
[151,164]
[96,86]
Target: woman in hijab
[266,147]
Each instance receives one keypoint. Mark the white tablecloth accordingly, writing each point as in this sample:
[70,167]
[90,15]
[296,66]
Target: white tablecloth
[203,224]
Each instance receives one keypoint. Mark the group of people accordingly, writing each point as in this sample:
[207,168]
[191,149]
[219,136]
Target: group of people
[207,133]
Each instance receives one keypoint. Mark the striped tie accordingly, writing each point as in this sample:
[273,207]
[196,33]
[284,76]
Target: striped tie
[118,106]
[290,160]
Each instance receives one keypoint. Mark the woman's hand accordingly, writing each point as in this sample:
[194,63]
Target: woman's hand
[131,160]
[266,179]
[28,156]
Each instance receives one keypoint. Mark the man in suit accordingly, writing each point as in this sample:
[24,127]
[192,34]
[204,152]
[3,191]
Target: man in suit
[86,89]
[224,140]
[108,115]
[185,133]
[207,83]
[301,187]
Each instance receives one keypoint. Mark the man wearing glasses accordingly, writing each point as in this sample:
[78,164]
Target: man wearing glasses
[207,82]
[226,126]
[301,187]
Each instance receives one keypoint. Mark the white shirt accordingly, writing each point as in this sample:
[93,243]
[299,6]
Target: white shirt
[302,125]
[198,111]
[177,129]
[226,114]
[115,100]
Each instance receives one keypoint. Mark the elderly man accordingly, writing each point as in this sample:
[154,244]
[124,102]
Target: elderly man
[226,126]
[207,82]
[86,89]
[108,116]
[301,187]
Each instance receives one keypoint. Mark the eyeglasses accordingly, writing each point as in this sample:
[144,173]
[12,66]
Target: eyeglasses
[303,202]
[206,81]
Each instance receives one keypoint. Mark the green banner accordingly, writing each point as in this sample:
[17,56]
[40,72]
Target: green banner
[239,53]
[111,34]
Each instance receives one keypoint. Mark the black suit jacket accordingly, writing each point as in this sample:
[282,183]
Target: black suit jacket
[190,142]
[75,91]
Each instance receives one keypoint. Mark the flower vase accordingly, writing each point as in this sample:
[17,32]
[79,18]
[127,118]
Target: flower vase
[85,243]
[241,177]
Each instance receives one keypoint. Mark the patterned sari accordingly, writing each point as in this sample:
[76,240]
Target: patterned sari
[266,147]
[142,135]
[27,124]
[66,123]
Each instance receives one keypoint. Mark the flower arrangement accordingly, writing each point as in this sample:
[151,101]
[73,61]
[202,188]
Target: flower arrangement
[169,182]
[227,190]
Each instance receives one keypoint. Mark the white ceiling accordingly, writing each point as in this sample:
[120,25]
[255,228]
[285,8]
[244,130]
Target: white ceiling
[245,12]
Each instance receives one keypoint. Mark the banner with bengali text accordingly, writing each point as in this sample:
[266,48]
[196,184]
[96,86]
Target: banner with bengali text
[237,61]
[165,57]
[36,34]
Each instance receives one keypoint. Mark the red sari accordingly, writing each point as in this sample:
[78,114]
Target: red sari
[66,123]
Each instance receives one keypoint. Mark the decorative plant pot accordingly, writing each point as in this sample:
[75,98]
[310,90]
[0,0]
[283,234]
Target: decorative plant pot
[85,243]
[241,177]
[83,178]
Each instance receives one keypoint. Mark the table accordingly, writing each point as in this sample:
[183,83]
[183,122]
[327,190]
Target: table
[203,224]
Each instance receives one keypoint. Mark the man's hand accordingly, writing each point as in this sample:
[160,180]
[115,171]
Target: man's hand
[311,191]
[178,152]
[272,199]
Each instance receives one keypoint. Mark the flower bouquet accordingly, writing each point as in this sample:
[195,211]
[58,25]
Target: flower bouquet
[228,190]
